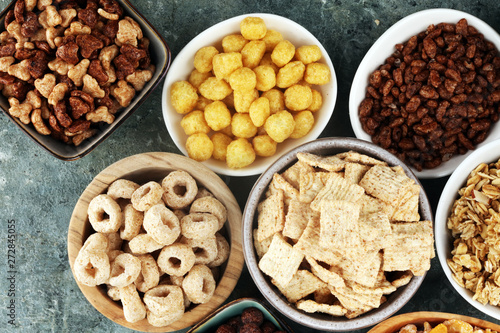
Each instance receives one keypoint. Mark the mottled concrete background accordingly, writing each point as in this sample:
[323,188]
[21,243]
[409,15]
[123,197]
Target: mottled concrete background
[38,191]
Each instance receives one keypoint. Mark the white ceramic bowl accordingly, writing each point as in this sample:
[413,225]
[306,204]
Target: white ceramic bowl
[182,66]
[444,241]
[383,48]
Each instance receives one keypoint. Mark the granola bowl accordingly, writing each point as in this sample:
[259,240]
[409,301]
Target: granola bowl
[254,256]
[445,238]
[159,53]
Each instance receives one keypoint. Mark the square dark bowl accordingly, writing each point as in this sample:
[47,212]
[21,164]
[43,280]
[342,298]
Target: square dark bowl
[160,57]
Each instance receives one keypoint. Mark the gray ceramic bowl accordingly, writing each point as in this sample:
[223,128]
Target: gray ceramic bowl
[326,146]
[160,57]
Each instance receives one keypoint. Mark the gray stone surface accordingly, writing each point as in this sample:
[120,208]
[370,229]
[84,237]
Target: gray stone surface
[38,191]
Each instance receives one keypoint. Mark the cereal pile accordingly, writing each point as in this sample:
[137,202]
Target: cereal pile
[251,320]
[474,222]
[451,325]
[157,247]
[435,97]
[337,233]
[253,94]
[66,69]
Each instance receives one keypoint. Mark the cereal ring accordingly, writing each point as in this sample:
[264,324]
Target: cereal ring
[199,284]
[133,308]
[165,300]
[122,188]
[124,270]
[180,189]
[206,249]
[199,225]
[162,224]
[132,222]
[143,243]
[203,192]
[210,205]
[114,242]
[176,259]
[101,206]
[92,268]
[149,277]
[161,321]
[223,250]
[113,292]
[147,196]
[95,243]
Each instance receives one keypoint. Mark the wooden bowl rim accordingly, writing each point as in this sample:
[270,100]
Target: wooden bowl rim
[169,161]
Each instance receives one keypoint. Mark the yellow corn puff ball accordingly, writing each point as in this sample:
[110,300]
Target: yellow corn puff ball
[276,100]
[317,73]
[202,103]
[280,125]
[243,79]
[308,54]
[253,28]
[183,97]
[259,111]
[199,147]
[194,122]
[264,145]
[203,58]
[243,99]
[196,78]
[242,126]
[252,53]
[226,63]
[217,115]
[215,89]
[266,60]
[290,74]
[304,121]
[282,53]
[220,141]
[239,154]
[272,38]
[265,77]
[317,101]
[233,43]
[298,97]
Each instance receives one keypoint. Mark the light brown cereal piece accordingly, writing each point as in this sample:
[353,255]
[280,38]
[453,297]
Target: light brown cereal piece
[96,242]
[199,147]
[20,70]
[296,219]
[165,300]
[354,172]
[162,224]
[282,53]
[304,122]
[243,99]
[132,222]
[363,269]
[79,138]
[133,308]
[124,270]
[77,72]
[242,79]
[92,87]
[279,183]
[280,126]
[374,230]
[199,284]
[105,214]
[139,78]
[6,62]
[58,93]
[149,277]
[233,43]
[176,259]
[298,97]
[143,243]
[399,257]
[407,207]
[326,275]
[339,224]
[252,53]
[292,174]
[311,183]
[226,63]
[253,28]
[353,301]
[259,111]
[402,279]
[308,54]
[261,247]
[272,38]
[122,188]
[290,74]
[223,251]
[21,111]
[203,192]
[107,15]
[147,196]
[264,146]
[123,93]
[194,122]
[276,100]
[45,85]
[239,154]
[113,292]
[302,284]
[49,17]
[199,225]
[203,58]
[242,126]
[330,163]
[265,77]
[38,123]
[215,89]
[311,306]
[281,261]
[129,32]
[209,204]
[337,188]
[196,78]
[217,115]
[183,97]
[317,101]
[100,114]
[206,249]
[220,141]
[92,268]
[180,189]
[317,73]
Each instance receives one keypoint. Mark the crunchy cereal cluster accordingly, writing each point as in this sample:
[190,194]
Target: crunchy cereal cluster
[64,67]
[474,222]
[157,247]
[255,92]
[451,325]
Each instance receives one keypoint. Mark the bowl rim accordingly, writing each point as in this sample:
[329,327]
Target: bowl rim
[169,115]
[333,324]
[128,168]
[443,237]
[72,156]
[398,33]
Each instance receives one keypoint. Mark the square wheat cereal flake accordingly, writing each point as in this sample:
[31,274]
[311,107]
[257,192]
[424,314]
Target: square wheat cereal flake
[261,247]
[339,224]
[337,188]
[311,306]
[353,156]
[330,163]
[311,183]
[354,172]
[296,219]
[302,284]
[324,273]
[271,216]
[279,183]
[292,174]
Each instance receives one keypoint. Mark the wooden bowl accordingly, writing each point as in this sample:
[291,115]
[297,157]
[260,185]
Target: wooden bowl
[142,168]
[395,323]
